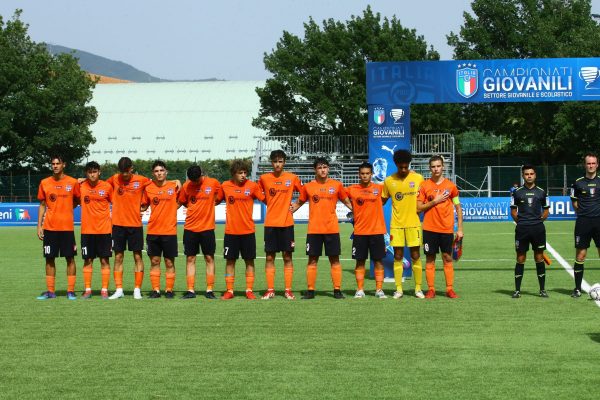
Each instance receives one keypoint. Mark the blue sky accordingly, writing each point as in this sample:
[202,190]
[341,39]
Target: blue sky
[186,39]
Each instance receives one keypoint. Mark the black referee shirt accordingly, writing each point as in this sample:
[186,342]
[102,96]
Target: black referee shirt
[586,192]
[530,204]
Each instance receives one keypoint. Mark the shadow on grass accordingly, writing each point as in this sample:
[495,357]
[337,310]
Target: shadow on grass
[562,291]
[595,336]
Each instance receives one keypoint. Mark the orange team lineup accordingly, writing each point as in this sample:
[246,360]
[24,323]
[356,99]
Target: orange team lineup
[104,232]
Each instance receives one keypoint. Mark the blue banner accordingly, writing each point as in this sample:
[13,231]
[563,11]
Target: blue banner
[483,81]
[485,209]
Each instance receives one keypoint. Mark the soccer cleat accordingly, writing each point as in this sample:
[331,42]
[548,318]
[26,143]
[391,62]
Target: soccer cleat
[451,294]
[289,295]
[309,295]
[189,295]
[359,294]
[543,293]
[155,294]
[380,294]
[269,294]
[227,295]
[169,294]
[104,294]
[71,296]
[137,294]
[87,295]
[430,294]
[210,295]
[516,294]
[419,294]
[398,295]
[46,296]
[250,295]
[576,293]
[337,294]
[117,294]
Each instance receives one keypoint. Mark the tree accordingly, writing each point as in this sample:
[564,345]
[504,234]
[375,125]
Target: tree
[318,83]
[43,101]
[556,132]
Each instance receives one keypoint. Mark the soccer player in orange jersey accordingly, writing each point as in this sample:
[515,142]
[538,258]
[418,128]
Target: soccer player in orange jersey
[239,194]
[369,228]
[161,235]
[438,199]
[127,231]
[199,195]
[322,195]
[278,187]
[58,195]
[96,227]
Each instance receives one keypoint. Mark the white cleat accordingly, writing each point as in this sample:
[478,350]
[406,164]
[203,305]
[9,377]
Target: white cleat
[380,294]
[398,295]
[137,294]
[117,294]
[419,294]
[359,294]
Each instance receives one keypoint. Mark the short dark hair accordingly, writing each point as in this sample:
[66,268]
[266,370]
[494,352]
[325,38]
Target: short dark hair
[436,158]
[124,164]
[365,165]
[57,157]
[402,157]
[238,165]
[194,172]
[92,165]
[526,167]
[275,154]
[590,154]
[320,160]
[159,163]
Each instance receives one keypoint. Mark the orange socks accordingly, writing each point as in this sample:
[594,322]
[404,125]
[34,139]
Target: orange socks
[288,276]
[139,278]
[191,282]
[250,279]
[336,276]
[106,278]
[449,273]
[229,281]
[379,275]
[155,279]
[87,278]
[71,283]
[118,277]
[270,273]
[430,274]
[210,282]
[360,278]
[169,281]
[50,283]
[311,276]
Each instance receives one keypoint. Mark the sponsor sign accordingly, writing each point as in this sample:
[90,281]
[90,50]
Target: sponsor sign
[485,209]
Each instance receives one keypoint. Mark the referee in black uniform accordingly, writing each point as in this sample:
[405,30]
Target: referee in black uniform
[585,196]
[529,209]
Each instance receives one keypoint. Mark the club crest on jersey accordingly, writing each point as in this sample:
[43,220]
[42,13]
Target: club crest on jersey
[288,183]
[247,192]
[208,190]
[136,185]
[411,185]
[331,190]
[101,193]
[375,192]
[68,188]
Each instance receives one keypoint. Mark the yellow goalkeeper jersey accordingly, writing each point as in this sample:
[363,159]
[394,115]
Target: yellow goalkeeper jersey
[404,199]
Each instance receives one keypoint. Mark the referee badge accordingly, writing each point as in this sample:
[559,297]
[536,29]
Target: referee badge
[592,191]
[530,201]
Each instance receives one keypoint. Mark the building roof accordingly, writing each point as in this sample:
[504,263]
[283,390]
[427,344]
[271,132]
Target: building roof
[175,120]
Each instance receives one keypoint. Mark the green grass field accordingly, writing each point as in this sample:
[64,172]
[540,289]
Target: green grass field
[482,345]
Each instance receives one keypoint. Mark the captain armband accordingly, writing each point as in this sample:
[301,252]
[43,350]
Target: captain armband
[456,200]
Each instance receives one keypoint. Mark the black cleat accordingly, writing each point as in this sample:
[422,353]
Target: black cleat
[188,295]
[516,294]
[155,294]
[210,295]
[576,293]
[337,294]
[309,295]
[543,293]
[169,294]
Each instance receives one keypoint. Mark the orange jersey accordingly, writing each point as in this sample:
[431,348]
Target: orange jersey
[163,208]
[367,209]
[200,202]
[440,218]
[58,195]
[95,208]
[322,198]
[239,202]
[278,194]
[127,198]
